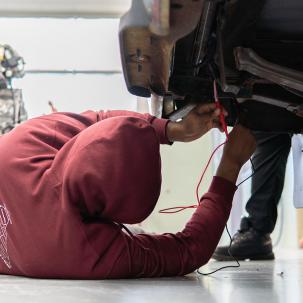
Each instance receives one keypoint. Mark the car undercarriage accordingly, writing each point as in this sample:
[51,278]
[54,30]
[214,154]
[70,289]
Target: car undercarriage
[174,50]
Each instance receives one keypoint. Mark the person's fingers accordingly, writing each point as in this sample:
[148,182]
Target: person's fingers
[224,111]
[216,119]
[208,108]
[210,120]
[218,125]
[205,108]
[211,116]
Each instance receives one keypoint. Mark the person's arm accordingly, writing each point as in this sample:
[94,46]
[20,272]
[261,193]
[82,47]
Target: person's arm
[181,253]
[193,126]
[198,122]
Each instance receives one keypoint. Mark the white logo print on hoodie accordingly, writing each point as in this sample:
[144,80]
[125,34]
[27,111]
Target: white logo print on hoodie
[5,220]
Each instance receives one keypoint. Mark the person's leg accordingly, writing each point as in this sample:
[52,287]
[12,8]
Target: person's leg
[253,239]
[267,185]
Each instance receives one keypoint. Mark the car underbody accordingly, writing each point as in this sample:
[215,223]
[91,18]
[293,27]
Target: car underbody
[175,49]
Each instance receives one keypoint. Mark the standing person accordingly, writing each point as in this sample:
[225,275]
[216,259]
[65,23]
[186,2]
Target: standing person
[69,182]
[253,240]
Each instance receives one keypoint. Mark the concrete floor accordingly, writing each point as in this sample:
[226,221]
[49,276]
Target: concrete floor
[255,282]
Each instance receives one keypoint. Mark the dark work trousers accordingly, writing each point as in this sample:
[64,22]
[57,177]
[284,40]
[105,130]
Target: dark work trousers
[270,159]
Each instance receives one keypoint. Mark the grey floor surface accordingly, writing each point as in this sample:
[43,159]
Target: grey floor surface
[255,282]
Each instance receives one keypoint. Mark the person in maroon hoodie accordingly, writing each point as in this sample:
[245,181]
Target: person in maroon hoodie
[69,182]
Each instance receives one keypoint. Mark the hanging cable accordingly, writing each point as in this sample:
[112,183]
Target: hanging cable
[173,210]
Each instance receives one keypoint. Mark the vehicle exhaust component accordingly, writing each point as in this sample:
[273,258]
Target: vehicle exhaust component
[247,60]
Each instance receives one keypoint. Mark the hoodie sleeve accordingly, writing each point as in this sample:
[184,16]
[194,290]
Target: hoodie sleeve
[169,254]
[69,125]
[158,124]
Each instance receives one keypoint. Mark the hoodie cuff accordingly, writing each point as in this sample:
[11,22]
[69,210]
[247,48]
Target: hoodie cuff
[160,126]
[223,187]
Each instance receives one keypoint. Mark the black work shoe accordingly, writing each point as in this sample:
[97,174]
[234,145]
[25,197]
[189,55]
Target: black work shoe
[247,244]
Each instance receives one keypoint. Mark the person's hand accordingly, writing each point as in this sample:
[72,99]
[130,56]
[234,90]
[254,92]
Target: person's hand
[240,145]
[198,122]
[239,148]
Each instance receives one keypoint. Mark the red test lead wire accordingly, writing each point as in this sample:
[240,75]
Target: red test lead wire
[219,105]
[177,209]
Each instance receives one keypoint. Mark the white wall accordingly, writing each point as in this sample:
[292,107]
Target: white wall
[182,165]
[68,45]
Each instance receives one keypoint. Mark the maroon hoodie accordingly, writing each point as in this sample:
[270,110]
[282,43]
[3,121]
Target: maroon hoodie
[69,181]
